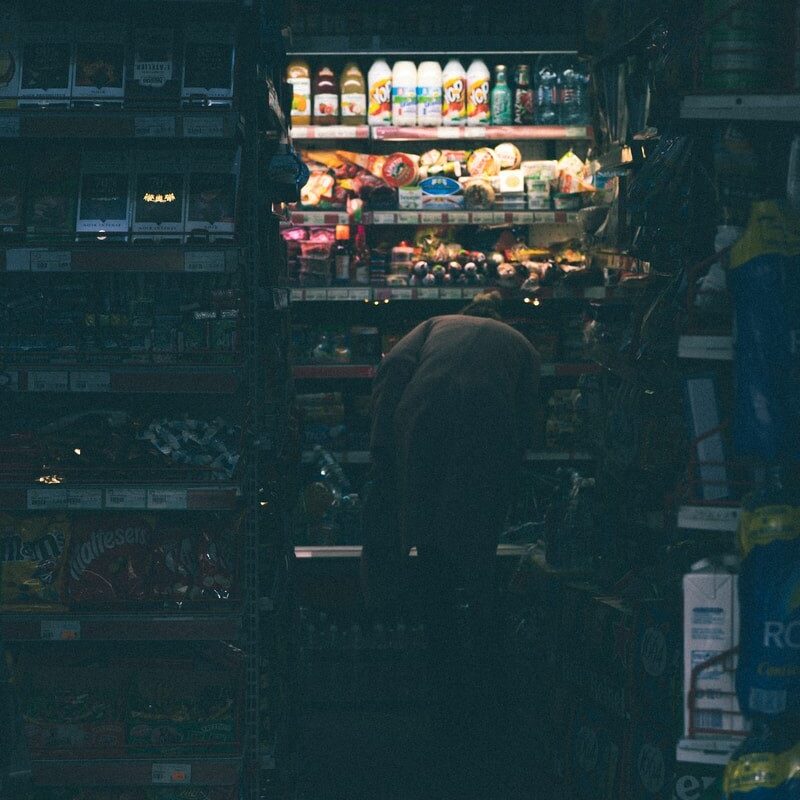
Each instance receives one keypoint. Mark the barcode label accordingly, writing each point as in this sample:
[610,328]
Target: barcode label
[85,499]
[50,261]
[172,774]
[338,294]
[359,294]
[315,294]
[126,498]
[402,294]
[166,499]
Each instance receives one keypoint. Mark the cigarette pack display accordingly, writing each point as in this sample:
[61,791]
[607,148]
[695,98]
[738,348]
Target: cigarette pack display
[211,208]
[98,71]
[46,64]
[152,77]
[104,201]
[12,193]
[50,199]
[208,65]
[160,196]
[9,56]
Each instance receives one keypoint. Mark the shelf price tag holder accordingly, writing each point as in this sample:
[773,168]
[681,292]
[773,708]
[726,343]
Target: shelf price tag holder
[126,498]
[167,499]
[147,126]
[171,774]
[55,630]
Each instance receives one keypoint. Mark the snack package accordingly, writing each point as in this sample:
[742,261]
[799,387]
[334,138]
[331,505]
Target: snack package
[765,767]
[109,558]
[32,556]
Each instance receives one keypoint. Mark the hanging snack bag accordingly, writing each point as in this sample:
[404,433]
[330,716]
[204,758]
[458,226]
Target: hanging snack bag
[109,559]
[32,553]
[768,673]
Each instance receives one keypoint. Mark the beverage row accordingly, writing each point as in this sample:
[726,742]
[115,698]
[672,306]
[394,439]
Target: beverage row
[114,61]
[151,194]
[427,95]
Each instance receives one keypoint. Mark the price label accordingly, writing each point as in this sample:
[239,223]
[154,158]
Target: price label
[9,126]
[482,217]
[124,498]
[53,630]
[574,132]
[166,499]
[48,381]
[338,294]
[427,293]
[360,294]
[520,217]
[544,216]
[172,774]
[449,133]
[432,218]
[314,295]
[85,499]
[47,498]
[18,260]
[383,217]
[204,261]
[147,126]
[471,291]
[407,217]
[302,132]
[451,294]
[90,381]
[51,261]
[402,294]
[338,132]
[204,126]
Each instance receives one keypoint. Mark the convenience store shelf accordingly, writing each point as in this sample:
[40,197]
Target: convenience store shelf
[354,551]
[753,107]
[128,379]
[363,456]
[361,294]
[122,497]
[709,518]
[367,372]
[319,218]
[468,217]
[119,258]
[391,133]
[706,348]
[111,627]
[172,771]
[47,123]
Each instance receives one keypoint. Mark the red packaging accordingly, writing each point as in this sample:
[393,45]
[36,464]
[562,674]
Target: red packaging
[109,559]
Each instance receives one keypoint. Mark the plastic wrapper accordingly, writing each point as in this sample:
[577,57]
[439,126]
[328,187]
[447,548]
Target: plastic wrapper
[765,767]
[33,549]
[109,559]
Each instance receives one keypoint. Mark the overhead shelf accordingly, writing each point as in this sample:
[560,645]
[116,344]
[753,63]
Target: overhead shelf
[753,107]
[706,348]
[119,497]
[119,258]
[128,379]
[44,123]
[709,518]
[311,132]
[123,772]
[110,627]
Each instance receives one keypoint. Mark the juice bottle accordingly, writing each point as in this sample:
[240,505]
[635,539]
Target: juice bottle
[523,95]
[429,93]
[404,93]
[380,93]
[454,93]
[341,257]
[353,95]
[502,101]
[298,75]
[478,112]
[326,97]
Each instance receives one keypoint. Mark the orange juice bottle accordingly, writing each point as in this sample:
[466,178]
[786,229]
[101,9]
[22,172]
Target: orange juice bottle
[298,75]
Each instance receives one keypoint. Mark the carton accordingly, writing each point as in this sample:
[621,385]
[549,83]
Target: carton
[710,627]
[104,199]
[159,196]
[208,65]
[212,190]
[46,64]
[98,69]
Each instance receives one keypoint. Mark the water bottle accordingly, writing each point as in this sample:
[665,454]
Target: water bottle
[572,92]
[546,79]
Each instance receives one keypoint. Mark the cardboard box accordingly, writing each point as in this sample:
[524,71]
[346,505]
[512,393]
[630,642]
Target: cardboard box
[52,189]
[98,69]
[46,64]
[152,78]
[710,628]
[208,61]
[159,196]
[213,183]
[104,198]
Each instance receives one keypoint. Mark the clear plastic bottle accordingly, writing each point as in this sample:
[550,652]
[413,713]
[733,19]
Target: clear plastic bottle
[573,93]
[546,84]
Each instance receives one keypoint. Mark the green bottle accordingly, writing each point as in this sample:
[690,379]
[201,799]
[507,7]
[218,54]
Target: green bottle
[502,101]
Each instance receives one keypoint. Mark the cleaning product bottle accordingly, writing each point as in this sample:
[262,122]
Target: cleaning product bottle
[326,97]
[478,112]
[429,93]
[404,93]
[454,93]
[380,93]
[298,75]
[353,95]
[501,99]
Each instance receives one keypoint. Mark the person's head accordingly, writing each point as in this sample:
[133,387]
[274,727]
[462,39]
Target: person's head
[485,304]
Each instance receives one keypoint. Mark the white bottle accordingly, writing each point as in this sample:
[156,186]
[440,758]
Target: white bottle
[454,93]
[404,93]
[478,93]
[429,93]
[379,79]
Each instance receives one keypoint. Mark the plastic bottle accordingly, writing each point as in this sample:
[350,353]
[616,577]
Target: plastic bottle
[326,97]
[454,93]
[380,93]
[404,93]
[502,100]
[298,74]
[523,96]
[478,112]
[353,95]
[572,94]
[429,93]
[546,80]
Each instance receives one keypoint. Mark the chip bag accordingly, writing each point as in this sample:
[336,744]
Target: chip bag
[32,555]
[765,767]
